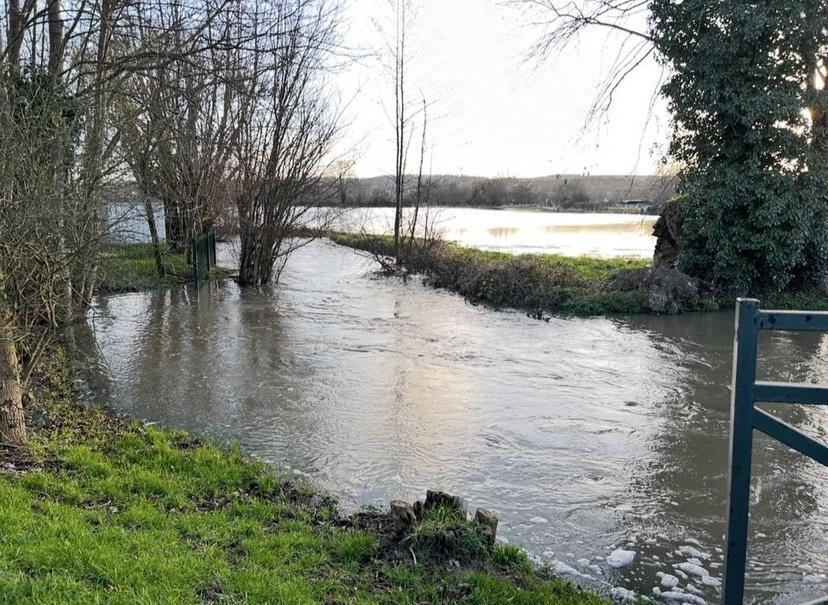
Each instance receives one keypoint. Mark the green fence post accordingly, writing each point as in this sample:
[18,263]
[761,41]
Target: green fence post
[211,249]
[201,258]
[741,446]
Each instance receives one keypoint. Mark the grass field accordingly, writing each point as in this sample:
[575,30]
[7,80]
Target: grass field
[96,510]
[130,267]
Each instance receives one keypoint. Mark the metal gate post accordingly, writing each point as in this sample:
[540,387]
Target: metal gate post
[211,249]
[741,445]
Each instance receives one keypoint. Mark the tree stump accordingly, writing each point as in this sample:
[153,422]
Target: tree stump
[435,499]
[403,515]
[486,525]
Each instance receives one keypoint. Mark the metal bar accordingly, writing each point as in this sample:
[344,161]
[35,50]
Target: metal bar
[741,445]
[211,247]
[195,262]
[200,258]
[790,392]
[781,431]
[796,321]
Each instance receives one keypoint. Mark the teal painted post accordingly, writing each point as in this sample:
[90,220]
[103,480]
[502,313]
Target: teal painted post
[201,260]
[211,249]
[741,445]
[195,255]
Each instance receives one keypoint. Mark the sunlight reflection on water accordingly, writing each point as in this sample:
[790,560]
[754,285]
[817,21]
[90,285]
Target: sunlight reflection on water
[583,434]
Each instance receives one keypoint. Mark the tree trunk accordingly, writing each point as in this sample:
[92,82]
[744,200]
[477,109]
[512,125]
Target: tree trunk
[15,33]
[156,243]
[12,419]
[818,89]
[399,125]
[55,39]
[173,226]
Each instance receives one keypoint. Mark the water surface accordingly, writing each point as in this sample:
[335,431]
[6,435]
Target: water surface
[583,434]
[518,230]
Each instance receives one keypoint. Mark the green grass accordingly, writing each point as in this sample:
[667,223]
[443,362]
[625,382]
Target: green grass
[441,531]
[538,283]
[130,267]
[592,269]
[549,283]
[510,555]
[108,512]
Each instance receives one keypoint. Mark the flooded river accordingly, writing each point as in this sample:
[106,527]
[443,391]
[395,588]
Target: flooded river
[584,435]
[517,230]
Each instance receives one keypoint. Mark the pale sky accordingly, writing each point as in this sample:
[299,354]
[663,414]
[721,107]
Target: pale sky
[495,111]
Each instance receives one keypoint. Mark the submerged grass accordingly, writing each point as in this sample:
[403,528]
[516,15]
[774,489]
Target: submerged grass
[97,510]
[131,267]
[538,283]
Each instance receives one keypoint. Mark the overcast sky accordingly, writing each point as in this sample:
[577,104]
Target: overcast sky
[494,112]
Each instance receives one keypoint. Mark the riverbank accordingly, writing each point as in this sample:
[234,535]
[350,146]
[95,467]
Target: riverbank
[132,267]
[97,509]
[555,284]
[536,283]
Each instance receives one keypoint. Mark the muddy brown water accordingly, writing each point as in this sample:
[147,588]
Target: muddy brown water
[584,435]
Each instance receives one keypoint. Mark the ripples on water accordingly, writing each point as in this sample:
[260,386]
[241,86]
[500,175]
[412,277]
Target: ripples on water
[583,434]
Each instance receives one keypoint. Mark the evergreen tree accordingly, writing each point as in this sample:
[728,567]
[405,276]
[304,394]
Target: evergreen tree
[748,103]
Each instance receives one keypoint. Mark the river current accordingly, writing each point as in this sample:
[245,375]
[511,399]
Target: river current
[585,435]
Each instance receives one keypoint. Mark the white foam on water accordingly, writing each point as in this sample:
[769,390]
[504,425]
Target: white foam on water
[668,580]
[693,569]
[621,558]
[562,569]
[584,562]
[683,597]
[692,551]
[623,595]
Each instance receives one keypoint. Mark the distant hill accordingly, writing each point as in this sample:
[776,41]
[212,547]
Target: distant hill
[564,192]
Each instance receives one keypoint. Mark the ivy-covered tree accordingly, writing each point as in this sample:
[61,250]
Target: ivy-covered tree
[747,90]
[747,96]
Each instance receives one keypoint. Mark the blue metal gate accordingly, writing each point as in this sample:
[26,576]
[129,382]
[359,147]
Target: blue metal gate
[745,417]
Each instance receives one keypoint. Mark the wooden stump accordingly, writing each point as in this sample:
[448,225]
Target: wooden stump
[403,515]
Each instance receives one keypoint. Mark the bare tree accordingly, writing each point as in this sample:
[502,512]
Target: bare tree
[402,10]
[287,125]
[406,116]
[61,69]
[561,22]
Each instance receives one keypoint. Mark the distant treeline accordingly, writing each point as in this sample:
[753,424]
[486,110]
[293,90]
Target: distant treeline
[571,192]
